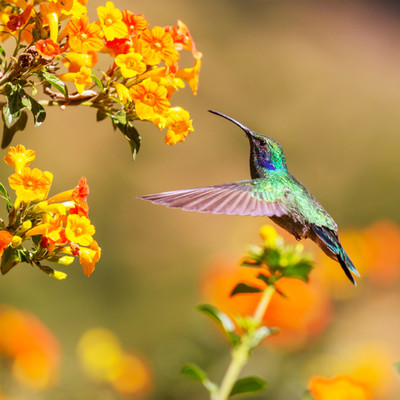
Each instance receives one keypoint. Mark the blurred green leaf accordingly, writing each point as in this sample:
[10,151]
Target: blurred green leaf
[397,367]
[260,334]
[248,385]
[12,109]
[307,396]
[38,112]
[245,288]
[100,115]
[8,133]
[225,323]
[4,196]
[194,372]
[53,81]
[300,271]
[97,81]
[9,260]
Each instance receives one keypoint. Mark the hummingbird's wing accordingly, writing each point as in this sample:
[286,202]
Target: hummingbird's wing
[254,197]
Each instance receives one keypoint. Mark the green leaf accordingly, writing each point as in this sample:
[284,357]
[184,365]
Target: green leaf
[260,334]
[298,271]
[133,138]
[397,367]
[224,322]
[194,372]
[4,196]
[12,109]
[245,288]
[8,133]
[53,81]
[248,385]
[2,52]
[118,118]
[38,112]
[9,260]
[100,115]
[97,81]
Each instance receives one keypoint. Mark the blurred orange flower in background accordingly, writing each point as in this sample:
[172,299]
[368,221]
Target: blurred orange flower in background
[375,253]
[34,350]
[302,314]
[104,361]
[342,387]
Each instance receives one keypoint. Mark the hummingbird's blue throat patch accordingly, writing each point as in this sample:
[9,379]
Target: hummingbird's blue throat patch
[265,163]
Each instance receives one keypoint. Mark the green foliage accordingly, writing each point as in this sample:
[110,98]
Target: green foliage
[5,197]
[53,81]
[222,320]
[9,260]
[249,385]
[194,372]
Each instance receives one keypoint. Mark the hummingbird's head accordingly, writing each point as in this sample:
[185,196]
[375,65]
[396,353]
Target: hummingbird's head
[266,154]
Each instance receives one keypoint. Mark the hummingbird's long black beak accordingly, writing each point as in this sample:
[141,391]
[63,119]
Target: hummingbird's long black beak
[245,128]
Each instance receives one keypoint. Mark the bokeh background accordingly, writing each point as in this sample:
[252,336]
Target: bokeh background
[322,78]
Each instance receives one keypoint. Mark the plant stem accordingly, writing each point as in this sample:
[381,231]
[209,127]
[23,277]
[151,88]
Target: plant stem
[240,354]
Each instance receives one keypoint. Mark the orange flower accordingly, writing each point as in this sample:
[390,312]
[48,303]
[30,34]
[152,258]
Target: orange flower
[81,79]
[157,46]
[341,387]
[50,228]
[47,49]
[111,22]
[5,240]
[303,313]
[84,37]
[131,64]
[74,61]
[136,23]
[79,230]
[150,99]
[33,348]
[31,184]
[191,75]
[179,125]
[183,39]
[19,158]
[89,257]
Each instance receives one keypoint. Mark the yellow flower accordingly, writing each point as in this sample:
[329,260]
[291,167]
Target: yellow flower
[122,92]
[83,36]
[51,227]
[31,184]
[81,79]
[150,99]
[79,230]
[74,61]
[16,241]
[111,22]
[88,257]
[341,387]
[131,64]
[19,158]
[157,46]
[179,125]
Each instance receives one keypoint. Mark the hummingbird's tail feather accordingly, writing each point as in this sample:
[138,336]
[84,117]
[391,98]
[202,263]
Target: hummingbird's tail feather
[233,199]
[329,242]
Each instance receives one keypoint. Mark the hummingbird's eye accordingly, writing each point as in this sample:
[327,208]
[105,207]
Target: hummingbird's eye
[262,142]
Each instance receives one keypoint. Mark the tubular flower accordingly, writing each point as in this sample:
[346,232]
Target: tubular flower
[136,23]
[88,257]
[157,46]
[51,13]
[84,37]
[122,92]
[179,125]
[48,49]
[81,79]
[183,39]
[341,387]
[191,75]
[111,22]
[150,99]
[79,230]
[31,184]
[19,158]
[5,240]
[74,61]
[50,228]
[131,64]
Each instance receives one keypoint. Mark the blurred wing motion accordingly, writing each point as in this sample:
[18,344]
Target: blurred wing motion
[250,197]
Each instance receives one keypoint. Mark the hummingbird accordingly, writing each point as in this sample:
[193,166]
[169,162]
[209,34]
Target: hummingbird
[272,191]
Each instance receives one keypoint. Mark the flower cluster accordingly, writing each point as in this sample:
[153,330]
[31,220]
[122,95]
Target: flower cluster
[58,228]
[139,84]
